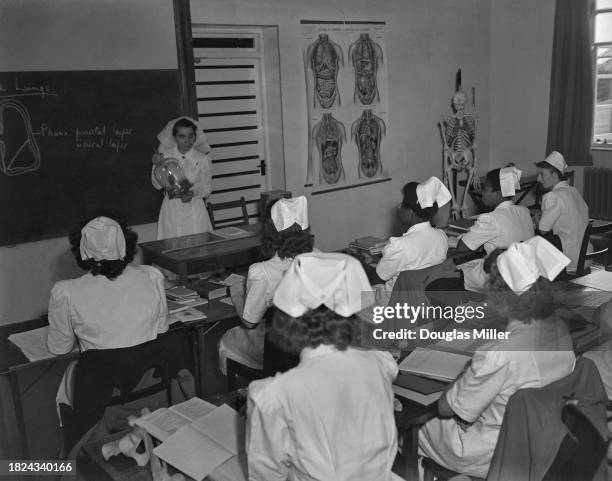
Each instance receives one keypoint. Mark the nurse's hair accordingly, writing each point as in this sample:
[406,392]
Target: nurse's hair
[184,123]
[315,327]
[411,201]
[109,269]
[287,243]
[538,302]
[492,179]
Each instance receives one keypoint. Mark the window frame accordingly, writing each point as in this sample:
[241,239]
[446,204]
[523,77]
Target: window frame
[594,48]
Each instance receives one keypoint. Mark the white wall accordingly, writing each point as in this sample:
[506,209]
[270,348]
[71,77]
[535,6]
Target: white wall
[72,35]
[426,42]
[520,59]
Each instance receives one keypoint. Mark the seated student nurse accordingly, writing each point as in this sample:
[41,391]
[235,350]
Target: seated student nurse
[331,417]
[184,140]
[114,304]
[564,212]
[285,235]
[538,351]
[421,246]
[505,224]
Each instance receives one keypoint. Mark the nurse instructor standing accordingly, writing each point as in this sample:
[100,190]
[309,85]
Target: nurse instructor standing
[184,140]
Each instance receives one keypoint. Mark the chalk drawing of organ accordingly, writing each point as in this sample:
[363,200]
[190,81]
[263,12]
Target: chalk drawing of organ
[367,132]
[329,135]
[325,59]
[19,152]
[366,56]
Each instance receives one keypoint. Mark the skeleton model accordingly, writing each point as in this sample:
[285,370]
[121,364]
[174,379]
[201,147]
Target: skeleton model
[20,153]
[367,132]
[459,139]
[325,58]
[366,56]
[328,135]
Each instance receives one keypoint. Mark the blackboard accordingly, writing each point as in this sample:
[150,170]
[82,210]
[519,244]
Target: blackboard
[71,142]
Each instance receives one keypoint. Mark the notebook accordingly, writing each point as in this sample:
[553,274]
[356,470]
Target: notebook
[33,344]
[440,365]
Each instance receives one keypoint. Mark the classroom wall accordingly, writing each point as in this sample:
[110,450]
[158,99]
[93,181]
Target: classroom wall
[520,58]
[426,43]
[72,35]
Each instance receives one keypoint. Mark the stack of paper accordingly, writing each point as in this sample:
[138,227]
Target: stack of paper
[370,244]
[445,366]
[33,344]
[196,445]
[187,315]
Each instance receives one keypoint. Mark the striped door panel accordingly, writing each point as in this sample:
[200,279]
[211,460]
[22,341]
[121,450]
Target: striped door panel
[230,111]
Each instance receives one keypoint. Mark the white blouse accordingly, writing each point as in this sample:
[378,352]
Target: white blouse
[107,314]
[421,246]
[565,213]
[329,418]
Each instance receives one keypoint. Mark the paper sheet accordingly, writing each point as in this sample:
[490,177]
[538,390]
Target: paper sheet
[33,344]
[192,453]
[225,426]
[194,408]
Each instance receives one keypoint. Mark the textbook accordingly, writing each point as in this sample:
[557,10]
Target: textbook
[162,423]
[198,448]
[188,315]
[441,365]
[210,289]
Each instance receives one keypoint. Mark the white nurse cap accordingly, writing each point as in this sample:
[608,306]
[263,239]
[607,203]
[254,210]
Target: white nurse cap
[286,212]
[102,239]
[432,190]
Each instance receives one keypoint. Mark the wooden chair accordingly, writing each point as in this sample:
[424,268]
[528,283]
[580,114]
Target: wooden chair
[604,230]
[241,203]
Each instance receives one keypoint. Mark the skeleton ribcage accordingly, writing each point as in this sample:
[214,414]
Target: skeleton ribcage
[460,133]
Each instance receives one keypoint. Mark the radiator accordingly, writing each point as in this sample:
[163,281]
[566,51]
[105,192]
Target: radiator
[597,192]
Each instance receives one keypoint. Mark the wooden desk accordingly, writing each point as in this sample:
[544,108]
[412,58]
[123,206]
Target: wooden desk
[197,253]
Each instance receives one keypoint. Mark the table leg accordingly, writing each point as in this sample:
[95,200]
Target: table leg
[18,407]
[182,272]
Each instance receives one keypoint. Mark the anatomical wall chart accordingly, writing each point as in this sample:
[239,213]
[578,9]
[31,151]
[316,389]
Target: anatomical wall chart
[348,98]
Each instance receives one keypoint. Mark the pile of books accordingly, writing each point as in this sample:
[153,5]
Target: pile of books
[370,244]
[182,302]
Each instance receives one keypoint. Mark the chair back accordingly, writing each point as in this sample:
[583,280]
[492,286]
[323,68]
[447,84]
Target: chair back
[605,252]
[100,371]
[240,203]
[582,451]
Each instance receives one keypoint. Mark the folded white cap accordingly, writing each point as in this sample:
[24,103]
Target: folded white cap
[509,180]
[102,239]
[523,262]
[335,280]
[557,161]
[166,139]
[432,190]
[286,212]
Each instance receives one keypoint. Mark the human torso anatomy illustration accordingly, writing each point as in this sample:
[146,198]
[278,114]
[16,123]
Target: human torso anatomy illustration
[366,56]
[367,132]
[459,139]
[19,151]
[325,59]
[329,135]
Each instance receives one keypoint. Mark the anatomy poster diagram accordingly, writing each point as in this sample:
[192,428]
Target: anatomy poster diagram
[347,92]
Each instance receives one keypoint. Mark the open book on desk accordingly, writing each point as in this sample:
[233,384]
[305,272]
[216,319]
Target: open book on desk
[164,422]
[198,448]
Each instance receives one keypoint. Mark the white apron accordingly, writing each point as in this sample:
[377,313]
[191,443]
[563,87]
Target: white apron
[178,218]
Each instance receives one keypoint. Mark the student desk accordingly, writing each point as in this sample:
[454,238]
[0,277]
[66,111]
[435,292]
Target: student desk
[30,387]
[200,252]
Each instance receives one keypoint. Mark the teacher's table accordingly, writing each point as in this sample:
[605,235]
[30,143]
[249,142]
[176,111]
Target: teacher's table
[200,252]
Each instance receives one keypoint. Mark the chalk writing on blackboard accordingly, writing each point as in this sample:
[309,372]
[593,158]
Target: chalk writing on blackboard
[24,156]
